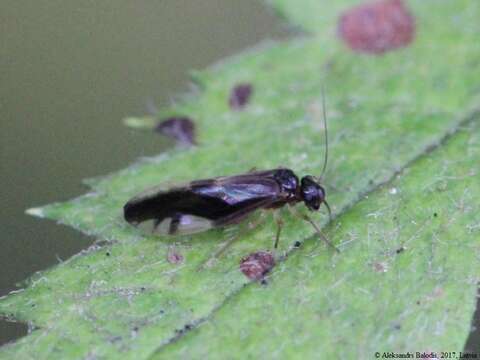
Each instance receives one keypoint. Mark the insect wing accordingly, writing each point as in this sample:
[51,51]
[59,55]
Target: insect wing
[203,204]
[237,190]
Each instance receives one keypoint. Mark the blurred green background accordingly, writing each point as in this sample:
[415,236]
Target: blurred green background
[70,71]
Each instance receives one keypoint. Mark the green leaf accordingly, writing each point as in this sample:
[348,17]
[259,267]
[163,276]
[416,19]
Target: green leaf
[388,115]
[406,280]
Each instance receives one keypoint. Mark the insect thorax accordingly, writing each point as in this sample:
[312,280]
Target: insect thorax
[288,181]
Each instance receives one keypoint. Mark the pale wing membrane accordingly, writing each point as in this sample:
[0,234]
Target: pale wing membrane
[187,224]
[190,224]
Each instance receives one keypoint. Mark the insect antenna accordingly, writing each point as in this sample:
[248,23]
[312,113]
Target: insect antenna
[325,161]
[329,210]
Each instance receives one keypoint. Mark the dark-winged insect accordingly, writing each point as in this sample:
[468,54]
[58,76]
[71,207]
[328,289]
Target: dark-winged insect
[223,201]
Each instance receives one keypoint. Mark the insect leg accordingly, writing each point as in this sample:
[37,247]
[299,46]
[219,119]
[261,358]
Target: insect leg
[174,223]
[209,262]
[311,222]
[250,226]
[172,227]
[279,222]
[156,223]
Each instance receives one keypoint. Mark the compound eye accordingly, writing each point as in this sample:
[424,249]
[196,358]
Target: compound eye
[311,197]
[313,194]
[321,193]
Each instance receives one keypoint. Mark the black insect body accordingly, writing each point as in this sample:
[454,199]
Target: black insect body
[218,202]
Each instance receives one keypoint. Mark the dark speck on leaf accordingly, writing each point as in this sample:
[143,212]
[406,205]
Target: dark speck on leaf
[377,27]
[435,214]
[107,253]
[256,265]
[185,329]
[297,244]
[239,96]
[179,128]
[400,250]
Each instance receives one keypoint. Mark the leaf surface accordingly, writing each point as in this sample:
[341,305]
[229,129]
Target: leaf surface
[388,115]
